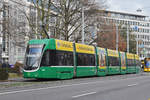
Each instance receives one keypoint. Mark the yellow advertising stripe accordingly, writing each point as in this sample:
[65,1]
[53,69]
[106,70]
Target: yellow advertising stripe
[122,52]
[113,53]
[136,57]
[64,45]
[145,69]
[101,48]
[130,56]
[81,48]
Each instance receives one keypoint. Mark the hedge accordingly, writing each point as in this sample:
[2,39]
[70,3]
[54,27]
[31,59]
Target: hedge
[3,74]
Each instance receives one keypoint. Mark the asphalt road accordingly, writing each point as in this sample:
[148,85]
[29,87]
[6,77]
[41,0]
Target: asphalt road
[134,88]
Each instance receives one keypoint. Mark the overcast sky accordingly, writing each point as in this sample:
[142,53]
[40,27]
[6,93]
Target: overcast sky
[129,5]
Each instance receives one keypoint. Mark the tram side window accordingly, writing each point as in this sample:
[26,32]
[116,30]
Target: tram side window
[64,58]
[113,61]
[85,59]
[130,62]
[46,59]
[57,58]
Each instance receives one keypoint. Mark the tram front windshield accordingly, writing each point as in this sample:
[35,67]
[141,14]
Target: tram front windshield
[33,55]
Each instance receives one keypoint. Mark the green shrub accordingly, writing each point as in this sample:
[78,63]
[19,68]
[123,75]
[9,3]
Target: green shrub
[11,70]
[3,74]
[17,67]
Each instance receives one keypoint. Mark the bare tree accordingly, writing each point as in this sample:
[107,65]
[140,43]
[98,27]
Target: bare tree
[68,25]
[67,14]
[38,17]
[95,21]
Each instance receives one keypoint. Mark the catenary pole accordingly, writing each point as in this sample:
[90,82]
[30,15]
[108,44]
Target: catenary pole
[117,37]
[127,39]
[83,24]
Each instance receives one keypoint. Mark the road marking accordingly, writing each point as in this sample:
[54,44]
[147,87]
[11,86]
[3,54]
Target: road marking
[132,84]
[81,95]
[62,86]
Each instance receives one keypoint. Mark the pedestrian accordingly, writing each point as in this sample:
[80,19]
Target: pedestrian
[3,65]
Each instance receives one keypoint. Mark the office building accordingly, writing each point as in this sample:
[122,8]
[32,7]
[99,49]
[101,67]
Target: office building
[138,24]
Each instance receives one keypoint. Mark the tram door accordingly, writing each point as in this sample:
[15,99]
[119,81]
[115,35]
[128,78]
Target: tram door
[102,62]
[123,62]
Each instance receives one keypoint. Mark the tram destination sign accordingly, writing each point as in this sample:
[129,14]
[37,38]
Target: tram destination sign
[35,45]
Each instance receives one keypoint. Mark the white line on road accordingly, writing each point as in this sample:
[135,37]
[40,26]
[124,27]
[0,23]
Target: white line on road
[81,95]
[62,86]
[132,85]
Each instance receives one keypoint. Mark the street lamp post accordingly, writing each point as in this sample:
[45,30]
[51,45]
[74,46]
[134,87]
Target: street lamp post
[83,25]
[117,37]
[127,39]
[137,45]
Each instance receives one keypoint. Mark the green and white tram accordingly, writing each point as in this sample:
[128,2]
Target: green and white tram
[58,59]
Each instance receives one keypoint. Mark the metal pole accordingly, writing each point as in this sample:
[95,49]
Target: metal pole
[137,45]
[127,39]
[117,37]
[36,23]
[9,52]
[1,39]
[95,25]
[83,24]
